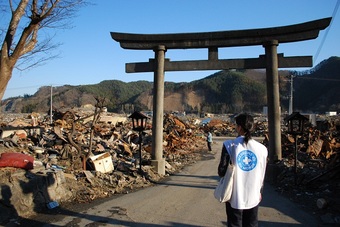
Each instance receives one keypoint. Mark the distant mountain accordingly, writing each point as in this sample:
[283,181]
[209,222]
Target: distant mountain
[319,88]
[226,91]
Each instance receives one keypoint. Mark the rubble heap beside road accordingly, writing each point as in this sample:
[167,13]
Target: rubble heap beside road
[74,163]
[316,183]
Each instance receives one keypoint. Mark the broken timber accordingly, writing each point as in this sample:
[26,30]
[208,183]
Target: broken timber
[269,38]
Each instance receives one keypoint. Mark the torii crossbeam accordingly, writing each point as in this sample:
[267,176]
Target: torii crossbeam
[269,38]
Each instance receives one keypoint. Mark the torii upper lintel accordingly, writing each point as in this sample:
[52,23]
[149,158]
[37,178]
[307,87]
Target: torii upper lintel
[250,37]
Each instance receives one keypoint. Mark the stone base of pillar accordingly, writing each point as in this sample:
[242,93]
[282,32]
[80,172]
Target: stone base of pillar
[159,166]
[272,173]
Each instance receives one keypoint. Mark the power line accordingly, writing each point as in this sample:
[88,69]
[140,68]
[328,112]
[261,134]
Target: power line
[35,86]
[327,30]
[16,88]
[309,78]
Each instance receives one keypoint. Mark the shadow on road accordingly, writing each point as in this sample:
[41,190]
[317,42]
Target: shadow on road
[182,180]
[96,220]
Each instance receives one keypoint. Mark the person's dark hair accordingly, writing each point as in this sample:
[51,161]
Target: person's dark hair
[247,124]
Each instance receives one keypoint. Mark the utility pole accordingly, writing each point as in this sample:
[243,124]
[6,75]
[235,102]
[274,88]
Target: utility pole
[291,95]
[51,105]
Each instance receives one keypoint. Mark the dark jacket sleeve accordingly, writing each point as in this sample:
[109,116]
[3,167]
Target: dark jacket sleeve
[222,167]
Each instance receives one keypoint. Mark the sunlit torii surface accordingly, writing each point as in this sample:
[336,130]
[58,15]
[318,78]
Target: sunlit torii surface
[269,38]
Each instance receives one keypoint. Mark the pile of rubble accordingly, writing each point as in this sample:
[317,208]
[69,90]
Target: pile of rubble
[310,171]
[82,155]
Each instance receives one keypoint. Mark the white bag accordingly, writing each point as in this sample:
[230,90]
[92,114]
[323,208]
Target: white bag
[224,188]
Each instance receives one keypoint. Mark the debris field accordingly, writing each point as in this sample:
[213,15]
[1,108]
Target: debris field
[84,154]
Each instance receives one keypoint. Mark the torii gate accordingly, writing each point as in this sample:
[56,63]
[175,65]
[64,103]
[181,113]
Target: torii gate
[269,38]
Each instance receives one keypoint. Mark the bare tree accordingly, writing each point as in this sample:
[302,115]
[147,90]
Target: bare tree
[25,33]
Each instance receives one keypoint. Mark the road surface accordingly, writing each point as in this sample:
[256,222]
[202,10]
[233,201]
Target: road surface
[185,199]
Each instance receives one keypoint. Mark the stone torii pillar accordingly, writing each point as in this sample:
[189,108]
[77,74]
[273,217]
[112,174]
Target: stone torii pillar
[273,101]
[158,161]
[269,38]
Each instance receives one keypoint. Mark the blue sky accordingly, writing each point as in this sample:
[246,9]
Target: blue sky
[89,55]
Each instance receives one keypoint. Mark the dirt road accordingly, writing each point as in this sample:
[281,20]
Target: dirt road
[185,199]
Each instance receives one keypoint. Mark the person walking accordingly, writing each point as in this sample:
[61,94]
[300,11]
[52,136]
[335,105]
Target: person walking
[209,141]
[250,160]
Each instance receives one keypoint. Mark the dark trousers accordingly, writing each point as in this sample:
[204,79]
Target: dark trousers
[209,146]
[242,218]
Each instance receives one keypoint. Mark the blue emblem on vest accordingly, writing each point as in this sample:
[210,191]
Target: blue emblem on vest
[246,160]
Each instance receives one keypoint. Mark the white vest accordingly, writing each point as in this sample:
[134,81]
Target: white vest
[250,161]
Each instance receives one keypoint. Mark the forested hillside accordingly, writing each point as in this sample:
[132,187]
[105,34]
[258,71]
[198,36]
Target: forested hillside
[319,88]
[231,91]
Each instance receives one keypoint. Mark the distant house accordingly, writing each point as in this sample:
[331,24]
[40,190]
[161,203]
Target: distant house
[207,115]
[148,113]
[113,120]
[331,113]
